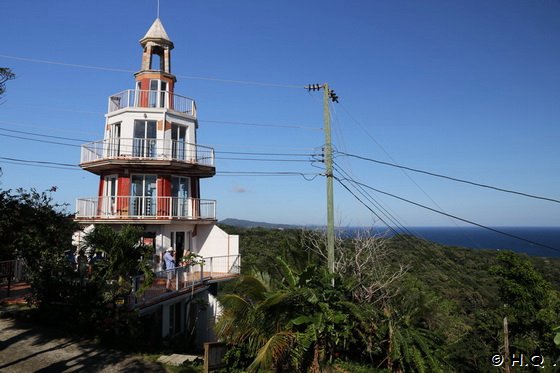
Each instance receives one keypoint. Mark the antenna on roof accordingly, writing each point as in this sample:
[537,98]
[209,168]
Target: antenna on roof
[157,8]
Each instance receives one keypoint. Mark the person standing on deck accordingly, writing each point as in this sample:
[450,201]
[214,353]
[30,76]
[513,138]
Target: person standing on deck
[169,258]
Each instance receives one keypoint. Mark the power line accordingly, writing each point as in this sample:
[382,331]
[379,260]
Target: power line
[68,166]
[452,178]
[19,124]
[408,234]
[370,198]
[92,67]
[457,217]
[43,135]
[262,125]
[391,158]
[306,176]
[39,162]
[40,165]
[56,109]
[406,237]
[44,164]
[35,60]
[38,140]
[263,159]
[269,154]
[262,146]
[366,206]
[218,152]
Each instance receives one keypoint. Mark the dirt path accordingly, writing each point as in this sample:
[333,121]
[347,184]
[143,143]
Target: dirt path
[28,348]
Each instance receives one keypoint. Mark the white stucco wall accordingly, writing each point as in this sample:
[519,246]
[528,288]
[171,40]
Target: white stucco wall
[213,241]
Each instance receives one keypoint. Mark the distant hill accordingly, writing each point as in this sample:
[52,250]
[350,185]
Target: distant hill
[239,223]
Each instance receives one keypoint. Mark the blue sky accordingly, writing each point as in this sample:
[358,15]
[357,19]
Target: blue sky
[468,89]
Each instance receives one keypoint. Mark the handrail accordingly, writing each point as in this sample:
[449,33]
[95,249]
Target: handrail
[13,269]
[145,207]
[183,278]
[135,98]
[147,148]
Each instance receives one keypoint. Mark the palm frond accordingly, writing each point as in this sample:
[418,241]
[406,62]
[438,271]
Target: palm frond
[289,275]
[273,352]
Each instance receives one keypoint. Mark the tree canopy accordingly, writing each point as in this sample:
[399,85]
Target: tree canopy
[444,312]
[5,75]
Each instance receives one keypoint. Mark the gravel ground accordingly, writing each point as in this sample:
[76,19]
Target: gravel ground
[28,348]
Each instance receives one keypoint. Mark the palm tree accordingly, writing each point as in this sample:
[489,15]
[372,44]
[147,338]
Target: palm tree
[411,345]
[124,256]
[300,326]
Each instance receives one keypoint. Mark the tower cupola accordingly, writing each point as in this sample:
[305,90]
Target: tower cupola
[156,56]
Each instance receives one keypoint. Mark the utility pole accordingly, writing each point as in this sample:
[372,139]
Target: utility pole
[328,95]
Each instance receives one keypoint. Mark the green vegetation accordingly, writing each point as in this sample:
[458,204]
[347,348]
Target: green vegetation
[5,75]
[444,313]
[398,304]
[80,295]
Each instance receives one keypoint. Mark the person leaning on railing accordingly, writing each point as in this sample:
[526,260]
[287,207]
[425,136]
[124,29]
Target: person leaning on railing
[169,259]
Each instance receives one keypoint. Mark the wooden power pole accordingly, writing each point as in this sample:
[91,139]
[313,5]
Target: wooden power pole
[328,95]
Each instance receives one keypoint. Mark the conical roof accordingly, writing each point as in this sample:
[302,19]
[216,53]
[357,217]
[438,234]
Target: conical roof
[157,33]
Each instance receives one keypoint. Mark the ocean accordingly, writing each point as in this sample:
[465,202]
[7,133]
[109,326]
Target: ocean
[480,238]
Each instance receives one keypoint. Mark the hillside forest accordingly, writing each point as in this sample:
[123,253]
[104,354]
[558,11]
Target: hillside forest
[398,304]
[393,304]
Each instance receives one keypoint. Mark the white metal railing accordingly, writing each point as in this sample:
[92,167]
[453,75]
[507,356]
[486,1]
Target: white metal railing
[152,99]
[145,207]
[145,148]
[12,270]
[185,278]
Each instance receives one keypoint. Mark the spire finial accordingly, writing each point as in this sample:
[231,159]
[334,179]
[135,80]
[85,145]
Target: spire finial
[157,8]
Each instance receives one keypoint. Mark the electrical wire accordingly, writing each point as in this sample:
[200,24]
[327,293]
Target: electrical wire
[267,125]
[366,206]
[406,237]
[457,217]
[56,109]
[254,146]
[39,162]
[452,178]
[113,69]
[262,159]
[372,200]
[19,124]
[69,166]
[24,162]
[220,152]
[40,165]
[406,232]
[269,154]
[38,140]
[268,173]
[43,135]
[403,171]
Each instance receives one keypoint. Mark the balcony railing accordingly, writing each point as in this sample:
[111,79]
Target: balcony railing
[185,278]
[152,99]
[135,207]
[149,149]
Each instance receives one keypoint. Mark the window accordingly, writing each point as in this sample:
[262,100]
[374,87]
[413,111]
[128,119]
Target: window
[109,202]
[114,140]
[180,196]
[144,142]
[158,93]
[143,195]
[178,141]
